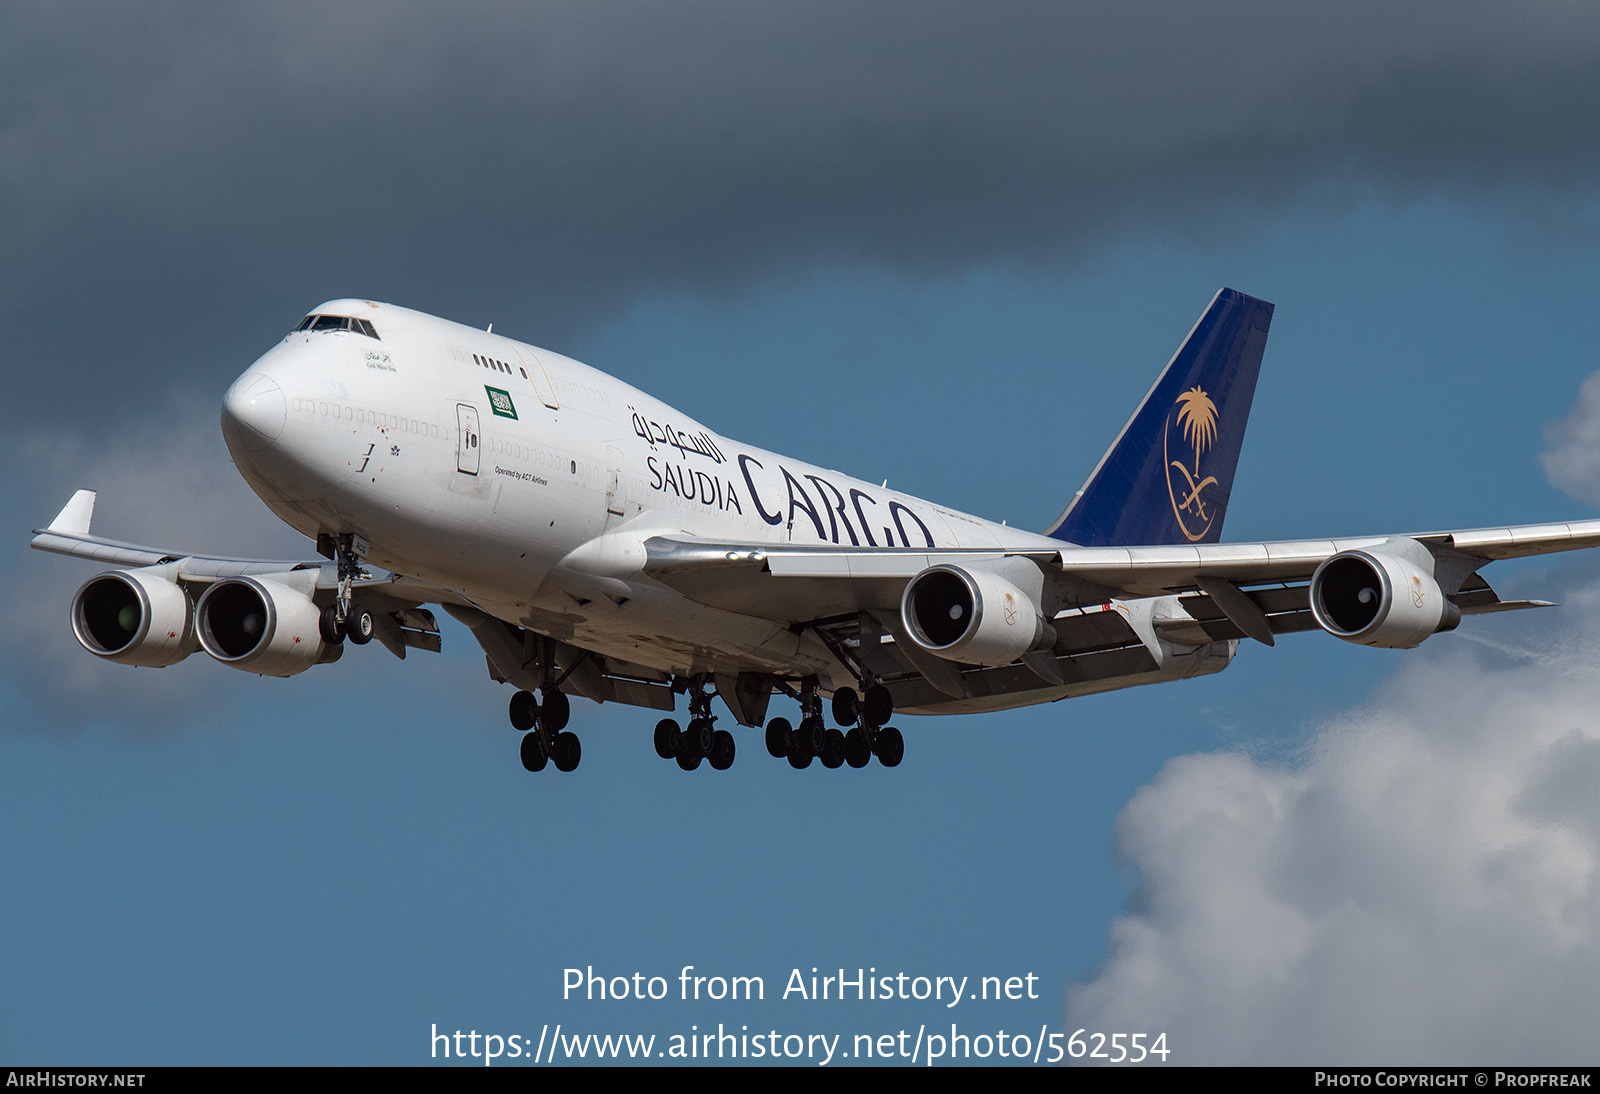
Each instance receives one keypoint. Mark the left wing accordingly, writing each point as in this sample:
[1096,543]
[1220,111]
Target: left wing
[140,612]
[1228,590]
[740,576]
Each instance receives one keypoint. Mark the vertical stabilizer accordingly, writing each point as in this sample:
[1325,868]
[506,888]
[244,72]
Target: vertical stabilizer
[1167,476]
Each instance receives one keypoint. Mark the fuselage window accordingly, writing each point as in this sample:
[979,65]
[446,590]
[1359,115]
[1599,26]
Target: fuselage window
[497,365]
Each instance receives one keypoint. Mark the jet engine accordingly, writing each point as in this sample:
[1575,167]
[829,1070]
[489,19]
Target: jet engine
[1379,599]
[262,626]
[972,616]
[134,618]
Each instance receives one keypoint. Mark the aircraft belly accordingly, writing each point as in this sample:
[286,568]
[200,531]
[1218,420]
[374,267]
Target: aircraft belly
[659,629]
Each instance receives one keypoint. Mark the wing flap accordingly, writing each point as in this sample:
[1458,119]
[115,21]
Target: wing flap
[796,584]
[816,582]
[1152,571]
[1529,539]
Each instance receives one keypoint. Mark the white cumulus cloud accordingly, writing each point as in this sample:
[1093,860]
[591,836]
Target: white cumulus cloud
[1572,446]
[1422,887]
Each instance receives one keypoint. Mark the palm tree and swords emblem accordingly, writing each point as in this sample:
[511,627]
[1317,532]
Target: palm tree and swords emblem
[1197,417]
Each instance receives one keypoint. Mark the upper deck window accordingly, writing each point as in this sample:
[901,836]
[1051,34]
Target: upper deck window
[337,322]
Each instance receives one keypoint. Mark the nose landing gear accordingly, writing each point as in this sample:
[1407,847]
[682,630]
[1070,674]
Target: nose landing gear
[344,618]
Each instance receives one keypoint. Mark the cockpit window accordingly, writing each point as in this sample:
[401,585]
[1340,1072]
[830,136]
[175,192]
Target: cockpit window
[337,322]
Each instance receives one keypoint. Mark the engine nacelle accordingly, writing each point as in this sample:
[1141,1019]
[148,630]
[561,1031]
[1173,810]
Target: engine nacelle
[1379,599]
[134,618]
[972,616]
[261,626]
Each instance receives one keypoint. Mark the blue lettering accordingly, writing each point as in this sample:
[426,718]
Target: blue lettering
[708,487]
[838,507]
[896,508]
[802,503]
[856,496]
[755,499]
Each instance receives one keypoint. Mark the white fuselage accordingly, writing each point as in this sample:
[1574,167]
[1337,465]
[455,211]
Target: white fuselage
[527,483]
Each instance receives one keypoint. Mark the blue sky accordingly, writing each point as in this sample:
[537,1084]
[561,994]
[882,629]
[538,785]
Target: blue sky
[957,265]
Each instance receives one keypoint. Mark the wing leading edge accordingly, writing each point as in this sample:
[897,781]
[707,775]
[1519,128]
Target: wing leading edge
[749,575]
[400,621]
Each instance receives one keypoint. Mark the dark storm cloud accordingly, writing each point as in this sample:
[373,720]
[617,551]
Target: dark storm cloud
[179,181]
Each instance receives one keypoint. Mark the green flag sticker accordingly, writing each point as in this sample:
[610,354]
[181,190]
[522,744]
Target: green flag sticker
[500,402]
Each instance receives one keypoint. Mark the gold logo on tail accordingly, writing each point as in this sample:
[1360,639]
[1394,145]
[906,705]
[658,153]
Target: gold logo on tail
[1196,417]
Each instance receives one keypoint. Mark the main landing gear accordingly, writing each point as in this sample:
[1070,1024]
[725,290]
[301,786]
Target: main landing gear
[542,721]
[811,739]
[543,726]
[699,740]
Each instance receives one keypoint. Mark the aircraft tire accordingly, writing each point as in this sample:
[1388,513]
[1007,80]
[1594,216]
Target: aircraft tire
[697,739]
[722,750]
[857,753]
[329,627]
[524,711]
[667,734]
[778,731]
[555,710]
[687,762]
[533,757]
[811,734]
[890,746]
[359,625]
[846,707]
[879,706]
[799,759]
[833,749]
[567,751]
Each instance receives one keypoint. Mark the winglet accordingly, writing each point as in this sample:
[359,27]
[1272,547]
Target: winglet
[1167,476]
[74,518]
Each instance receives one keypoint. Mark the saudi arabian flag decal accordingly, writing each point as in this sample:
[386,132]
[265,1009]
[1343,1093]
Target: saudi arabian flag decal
[500,402]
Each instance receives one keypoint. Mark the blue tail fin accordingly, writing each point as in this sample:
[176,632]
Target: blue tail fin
[1167,477]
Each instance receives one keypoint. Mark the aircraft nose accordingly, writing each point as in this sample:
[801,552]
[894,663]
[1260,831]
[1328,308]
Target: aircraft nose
[253,412]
